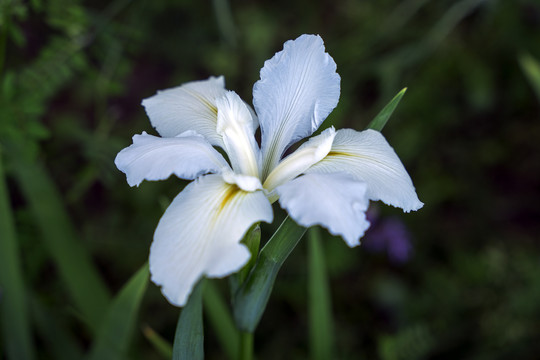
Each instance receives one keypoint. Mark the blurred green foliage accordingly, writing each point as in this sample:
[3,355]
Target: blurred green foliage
[73,74]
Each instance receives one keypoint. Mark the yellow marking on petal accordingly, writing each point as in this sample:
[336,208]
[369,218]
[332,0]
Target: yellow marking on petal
[230,193]
[358,156]
[339,153]
[198,96]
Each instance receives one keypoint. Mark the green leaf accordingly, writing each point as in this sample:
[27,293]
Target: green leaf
[56,335]
[320,311]
[16,328]
[252,240]
[250,300]
[221,320]
[225,22]
[412,342]
[380,120]
[5,24]
[189,337]
[77,271]
[115,332]
[531,68]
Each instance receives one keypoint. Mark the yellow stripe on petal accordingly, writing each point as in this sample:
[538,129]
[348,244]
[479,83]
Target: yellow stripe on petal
[230,193]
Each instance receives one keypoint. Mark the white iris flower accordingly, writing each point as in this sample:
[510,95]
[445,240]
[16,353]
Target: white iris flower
[327,181]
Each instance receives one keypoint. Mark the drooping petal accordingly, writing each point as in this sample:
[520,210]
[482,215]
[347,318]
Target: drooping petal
[191,106]
[237,128]
[369,158]
[200,234]
[187,155]
[298,88]
[309,153]
[337,202]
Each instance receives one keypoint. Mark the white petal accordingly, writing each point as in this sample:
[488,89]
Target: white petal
[244,182]
[368,157]
[298,88]
[237,128]
[153,158]
[337,202]
[309,153]
[200,234]
[191,106]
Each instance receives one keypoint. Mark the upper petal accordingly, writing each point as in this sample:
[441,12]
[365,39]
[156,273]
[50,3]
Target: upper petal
[237,128]
[309,153]
[368,157]
[191,106]
[200,234]
[337,202]
[153,158]
[298,88]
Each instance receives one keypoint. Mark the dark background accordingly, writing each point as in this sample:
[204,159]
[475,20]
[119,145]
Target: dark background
[459,279]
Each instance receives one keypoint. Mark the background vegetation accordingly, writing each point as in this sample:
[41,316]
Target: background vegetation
[459,279]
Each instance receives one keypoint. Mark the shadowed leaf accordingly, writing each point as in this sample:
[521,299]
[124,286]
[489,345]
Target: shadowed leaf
[117,328]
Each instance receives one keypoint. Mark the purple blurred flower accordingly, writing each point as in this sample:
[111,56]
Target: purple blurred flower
[388,235]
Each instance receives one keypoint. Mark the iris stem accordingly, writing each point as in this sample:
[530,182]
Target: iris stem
[246,345]
[320,308]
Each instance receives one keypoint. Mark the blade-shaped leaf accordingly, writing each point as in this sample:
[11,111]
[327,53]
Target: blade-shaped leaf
[252,240]
[220,318]
[117,328]
[60,341]
[86,287]
[320,312]
[15,320]
[189,337]
[251,299]
[531,68]
[380,120]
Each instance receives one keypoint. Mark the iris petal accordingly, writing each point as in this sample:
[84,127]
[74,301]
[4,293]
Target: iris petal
[369,158]
[309,153]
[153,158]
[200,234]
[237,128]
[298,88]
[191,106]
[335,201]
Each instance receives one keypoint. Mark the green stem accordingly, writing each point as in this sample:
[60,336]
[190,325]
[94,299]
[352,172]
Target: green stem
[320,309]
[246,345]
[162,346]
